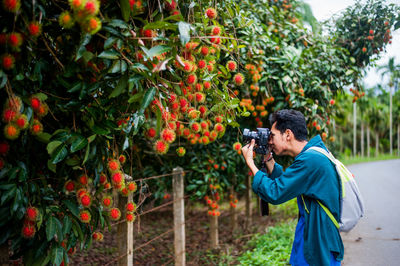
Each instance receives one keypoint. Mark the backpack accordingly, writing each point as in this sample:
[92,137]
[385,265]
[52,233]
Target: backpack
[352,205]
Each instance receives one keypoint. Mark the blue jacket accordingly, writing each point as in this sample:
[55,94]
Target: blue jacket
[312,175]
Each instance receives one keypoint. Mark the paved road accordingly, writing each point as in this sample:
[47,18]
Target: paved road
[376,238]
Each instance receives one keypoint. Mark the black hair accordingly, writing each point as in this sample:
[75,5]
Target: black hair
[290,119]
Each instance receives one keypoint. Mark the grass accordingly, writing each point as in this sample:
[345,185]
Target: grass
[358,159]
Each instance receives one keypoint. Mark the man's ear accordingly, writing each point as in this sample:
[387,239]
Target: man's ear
[288,134]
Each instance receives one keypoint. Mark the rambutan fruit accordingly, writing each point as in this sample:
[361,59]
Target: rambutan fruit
[219,127]
[11,131]
[231,66]
[107,185]
[204,125]
[15,40]
[42,110]
[237,146]
[216,30]
[211,13]
[204,50]
[32,214]
[86,200]
[149,33]
[181,151]
[65,20]
[203,110]
[168,135]
[92,25]
[69,186]
[206,85]
[210,67]
[11,5]
[14,103]
[113,165]
[130,217]
[91,7]
[83,180]
[117,177]
[195,127]
[4,148]
[130,207]
[161,147]
[201,64]
[76,4]
[170,5]
[193,114]
[131,186]
[191,79]
[122,159]
[34,29]
[81,192]
[218,119]
[84,216]
[35,103]
[22,122]
[205,140]
[7,61]
[106,201]
[9,115]
[238,79]
[28,231]
[115,214]
[102,178]
[215,39]
[151,133]
[200,97]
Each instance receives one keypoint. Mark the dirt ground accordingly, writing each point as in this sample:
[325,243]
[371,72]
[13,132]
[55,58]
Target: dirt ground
[160,251]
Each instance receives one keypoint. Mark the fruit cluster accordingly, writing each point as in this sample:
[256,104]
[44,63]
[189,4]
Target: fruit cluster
[32,216]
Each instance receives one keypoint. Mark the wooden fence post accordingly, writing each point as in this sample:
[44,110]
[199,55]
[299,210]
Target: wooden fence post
[125,235]
[214,231]
[248,202]
[179,216]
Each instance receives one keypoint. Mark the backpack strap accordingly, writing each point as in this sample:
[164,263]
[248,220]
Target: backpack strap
[327,211]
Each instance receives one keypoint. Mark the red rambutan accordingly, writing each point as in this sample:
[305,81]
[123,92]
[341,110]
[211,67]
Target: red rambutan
[115,214]
[168,135]
[28,231]
[131,186]
[69,186]
[113,165]
[130,217]
[211,13]
[34,28]
[106,201]
[238,79]
[130,207]
[84,216]
[7,61]
[161,147]
[32,214]
[231,66]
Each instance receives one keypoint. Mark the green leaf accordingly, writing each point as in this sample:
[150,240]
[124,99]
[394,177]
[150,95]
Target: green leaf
[52,167]
[82,46]
[57,255]
[125,9]
[109,54]
[119,23]
[51,228]
[184,32]
[148,97]
[136,97]
[52,146]
[86,154]
[160,25]
[157,50]
[43,137]
[120,88]
[59,153]
[72,207]
[78,143]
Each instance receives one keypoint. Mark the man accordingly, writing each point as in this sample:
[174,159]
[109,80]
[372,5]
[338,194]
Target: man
[311,175]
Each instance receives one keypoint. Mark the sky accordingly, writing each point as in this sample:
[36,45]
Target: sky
[325,9]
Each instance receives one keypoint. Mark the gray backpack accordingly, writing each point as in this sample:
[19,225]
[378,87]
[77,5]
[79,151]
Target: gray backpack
[352,205]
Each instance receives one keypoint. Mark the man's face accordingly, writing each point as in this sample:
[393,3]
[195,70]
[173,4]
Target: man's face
[277,141]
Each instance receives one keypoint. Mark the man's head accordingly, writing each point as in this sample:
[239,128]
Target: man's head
[288,132]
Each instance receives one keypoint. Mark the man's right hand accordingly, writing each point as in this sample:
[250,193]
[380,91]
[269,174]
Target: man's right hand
[247,152]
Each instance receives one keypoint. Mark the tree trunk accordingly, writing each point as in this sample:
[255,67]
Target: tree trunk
[368,142]
[376,144]
[362,139]
[354,129]
[398,139]
[390,119]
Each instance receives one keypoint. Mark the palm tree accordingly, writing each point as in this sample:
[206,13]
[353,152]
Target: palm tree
[394,74]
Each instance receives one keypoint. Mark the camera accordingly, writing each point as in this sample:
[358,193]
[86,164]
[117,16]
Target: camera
[261,136]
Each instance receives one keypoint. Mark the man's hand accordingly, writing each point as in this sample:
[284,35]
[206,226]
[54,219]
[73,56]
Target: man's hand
[247,152]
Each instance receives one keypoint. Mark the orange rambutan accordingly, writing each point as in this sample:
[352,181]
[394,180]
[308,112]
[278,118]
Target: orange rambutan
[84,216]
[130,207]
[238,79]
[106,201]
[42,110]
[7,61]
[161,147]
[211,13]
[130,217]
[168,135]
[113,165]
[22,122]
[76,4]
[122,159]
[92,25]
[11,131]
[181,151]
[115,214]
[193,114]
[131,186]
[34,29]
[231,66]
[65,20]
